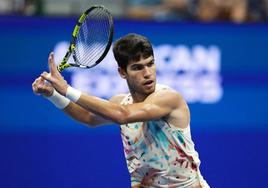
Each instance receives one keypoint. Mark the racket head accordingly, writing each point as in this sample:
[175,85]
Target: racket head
[91,39]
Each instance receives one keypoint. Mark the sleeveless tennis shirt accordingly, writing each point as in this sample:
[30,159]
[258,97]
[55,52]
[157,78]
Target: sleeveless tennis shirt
[159,154]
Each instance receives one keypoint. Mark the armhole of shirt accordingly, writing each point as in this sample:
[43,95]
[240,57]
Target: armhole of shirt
[183,130]
[125,99]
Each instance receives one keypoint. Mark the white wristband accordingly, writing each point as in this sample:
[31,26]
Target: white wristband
[58,100]
[73,94]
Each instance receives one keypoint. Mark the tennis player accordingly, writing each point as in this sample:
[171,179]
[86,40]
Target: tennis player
[154,119]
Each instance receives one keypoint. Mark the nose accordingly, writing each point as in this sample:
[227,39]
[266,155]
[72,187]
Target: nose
[147,72]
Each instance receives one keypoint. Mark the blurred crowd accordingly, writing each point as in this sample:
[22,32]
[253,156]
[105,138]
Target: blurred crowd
[181,10]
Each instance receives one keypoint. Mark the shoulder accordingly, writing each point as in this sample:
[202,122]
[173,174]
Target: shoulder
[167,95]
[167,92]
[164,89]
[180,114]
[117,98]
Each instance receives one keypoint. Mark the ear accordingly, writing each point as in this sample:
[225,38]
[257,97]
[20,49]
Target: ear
[122,73]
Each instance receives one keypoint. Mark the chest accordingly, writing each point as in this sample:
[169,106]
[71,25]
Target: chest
[132,132]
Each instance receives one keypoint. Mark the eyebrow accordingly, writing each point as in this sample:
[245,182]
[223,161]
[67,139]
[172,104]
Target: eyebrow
[152,61]
[138,64]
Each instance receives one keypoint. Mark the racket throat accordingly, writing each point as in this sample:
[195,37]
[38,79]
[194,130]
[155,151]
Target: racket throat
[76,65]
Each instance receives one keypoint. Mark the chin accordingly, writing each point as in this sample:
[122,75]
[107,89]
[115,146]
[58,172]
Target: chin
[150,90]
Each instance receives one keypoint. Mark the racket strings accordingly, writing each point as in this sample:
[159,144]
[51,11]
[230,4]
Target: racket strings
[95,52]
[93,48]
[93,37]
[99,39]
[106,36]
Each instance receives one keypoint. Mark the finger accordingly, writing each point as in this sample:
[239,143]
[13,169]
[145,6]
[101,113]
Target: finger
[47,90]
[33,86]
[52,66]
[41,89]
[42,81]
[46,76]
[39,80]
[40,86]
[36,81]
[50,62]
[35,89]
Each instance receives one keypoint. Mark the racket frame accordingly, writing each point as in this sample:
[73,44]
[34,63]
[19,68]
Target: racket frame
[71,50]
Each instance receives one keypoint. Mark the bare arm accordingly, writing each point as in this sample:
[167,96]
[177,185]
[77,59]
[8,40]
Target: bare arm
[40,87]
[73,110]
[80,114]
[157,105]
[86,117]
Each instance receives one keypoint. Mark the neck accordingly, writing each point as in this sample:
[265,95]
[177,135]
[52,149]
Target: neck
[137,97]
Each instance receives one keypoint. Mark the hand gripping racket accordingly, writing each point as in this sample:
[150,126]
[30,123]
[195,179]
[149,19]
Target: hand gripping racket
[91,39]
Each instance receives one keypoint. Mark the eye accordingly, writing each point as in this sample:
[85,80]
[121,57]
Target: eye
[137,67]
[150,64]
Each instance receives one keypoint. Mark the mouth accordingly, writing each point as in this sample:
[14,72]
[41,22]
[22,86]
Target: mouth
[148,83]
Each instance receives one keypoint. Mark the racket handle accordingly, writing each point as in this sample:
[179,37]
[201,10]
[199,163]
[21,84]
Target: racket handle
[63,66]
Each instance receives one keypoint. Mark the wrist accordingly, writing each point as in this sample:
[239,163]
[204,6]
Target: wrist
[58,100]
[73,94]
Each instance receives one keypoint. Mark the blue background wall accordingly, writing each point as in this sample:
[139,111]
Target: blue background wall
[41,147]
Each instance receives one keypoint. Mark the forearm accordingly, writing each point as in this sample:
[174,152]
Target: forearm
[78,113]
[104,108]
[154,107]
[75,111]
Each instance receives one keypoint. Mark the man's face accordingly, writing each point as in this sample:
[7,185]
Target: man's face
[141,76]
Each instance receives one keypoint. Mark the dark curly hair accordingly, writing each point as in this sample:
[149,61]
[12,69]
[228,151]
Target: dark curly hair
[131,47]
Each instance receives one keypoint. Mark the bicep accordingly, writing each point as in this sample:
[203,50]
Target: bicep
[156,106]
[145,112]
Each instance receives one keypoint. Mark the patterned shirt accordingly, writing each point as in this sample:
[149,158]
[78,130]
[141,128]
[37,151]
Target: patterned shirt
[159,154]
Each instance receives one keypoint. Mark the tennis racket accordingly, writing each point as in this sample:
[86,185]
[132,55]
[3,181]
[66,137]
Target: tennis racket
[91,39]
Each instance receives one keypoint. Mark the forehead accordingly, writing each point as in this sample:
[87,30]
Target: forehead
[142,61]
